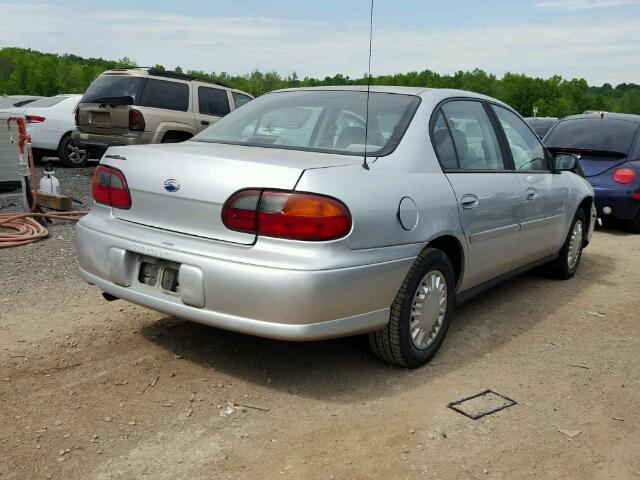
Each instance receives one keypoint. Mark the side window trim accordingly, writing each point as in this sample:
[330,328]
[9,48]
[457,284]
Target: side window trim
[502,136]
[507,160]
[504,142]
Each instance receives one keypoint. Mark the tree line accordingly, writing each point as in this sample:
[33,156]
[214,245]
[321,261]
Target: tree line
[29,72]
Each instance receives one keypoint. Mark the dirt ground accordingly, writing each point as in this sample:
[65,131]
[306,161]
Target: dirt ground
[97,390]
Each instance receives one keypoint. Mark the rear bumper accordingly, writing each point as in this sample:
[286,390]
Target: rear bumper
[623,205]
[280,303]
[99,142]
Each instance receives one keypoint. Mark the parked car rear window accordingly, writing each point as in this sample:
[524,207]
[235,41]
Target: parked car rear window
[321,121]
[46,102]
[595,133]
[240,99]
[213,101]
[167,95]
[112,87]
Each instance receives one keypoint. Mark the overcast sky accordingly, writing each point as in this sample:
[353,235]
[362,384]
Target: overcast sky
[594,39]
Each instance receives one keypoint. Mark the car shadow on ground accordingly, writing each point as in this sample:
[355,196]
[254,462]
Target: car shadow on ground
[344,370]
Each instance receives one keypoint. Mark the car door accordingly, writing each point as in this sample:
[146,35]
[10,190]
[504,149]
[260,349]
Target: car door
[488,193]
[213,104]
[544,215]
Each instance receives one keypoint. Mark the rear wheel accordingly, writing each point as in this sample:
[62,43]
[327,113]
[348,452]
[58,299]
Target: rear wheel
[566,265]
[420,314]
[175,137]
[70,154]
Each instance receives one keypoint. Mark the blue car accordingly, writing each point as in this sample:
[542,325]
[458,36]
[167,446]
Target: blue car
[609,149]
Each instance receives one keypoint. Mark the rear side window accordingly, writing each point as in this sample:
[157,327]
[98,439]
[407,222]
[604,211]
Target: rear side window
[593,133]
[475,140]
[213,101]
[443,144]
[526,149]
[115,86]
[240,99]
[167,95]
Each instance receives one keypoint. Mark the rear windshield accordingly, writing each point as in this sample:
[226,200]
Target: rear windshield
[541,127]
[112,87]
[593,133]
[47,102]
[320,121]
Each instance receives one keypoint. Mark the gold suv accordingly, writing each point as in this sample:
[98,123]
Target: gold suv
[134,106]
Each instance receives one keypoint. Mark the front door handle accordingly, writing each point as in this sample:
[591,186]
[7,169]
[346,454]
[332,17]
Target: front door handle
[204,122]
[531,194]
[469,201]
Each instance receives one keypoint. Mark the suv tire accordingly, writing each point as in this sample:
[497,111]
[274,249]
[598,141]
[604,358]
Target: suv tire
[70,155]
[176,137]
[425,299]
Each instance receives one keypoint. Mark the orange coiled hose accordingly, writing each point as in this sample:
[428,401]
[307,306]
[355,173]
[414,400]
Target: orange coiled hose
[26,229]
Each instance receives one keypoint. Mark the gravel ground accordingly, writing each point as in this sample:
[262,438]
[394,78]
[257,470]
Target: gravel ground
[97,390]
[16,264]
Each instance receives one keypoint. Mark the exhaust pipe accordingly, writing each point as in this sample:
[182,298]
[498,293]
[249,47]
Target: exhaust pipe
[108,297]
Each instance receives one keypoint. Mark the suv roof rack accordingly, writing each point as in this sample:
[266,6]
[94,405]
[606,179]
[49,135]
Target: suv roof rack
[170,74]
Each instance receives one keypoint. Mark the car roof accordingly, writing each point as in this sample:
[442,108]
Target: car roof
[436,94]
[605,116]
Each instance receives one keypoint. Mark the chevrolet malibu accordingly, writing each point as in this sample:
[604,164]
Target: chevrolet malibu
[317,213]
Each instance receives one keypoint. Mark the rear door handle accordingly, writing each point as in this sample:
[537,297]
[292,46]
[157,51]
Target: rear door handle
[469,201]
[204,122]
[531,194]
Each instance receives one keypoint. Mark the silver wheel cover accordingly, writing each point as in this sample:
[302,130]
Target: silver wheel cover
[428,309]
[575,245]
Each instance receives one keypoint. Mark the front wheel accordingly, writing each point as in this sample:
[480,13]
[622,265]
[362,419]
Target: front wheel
[420,314]
[566,265]
[70,154]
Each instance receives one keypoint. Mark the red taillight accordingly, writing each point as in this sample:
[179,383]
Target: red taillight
[624,175]
[34,118]
[136,120]
[291,215]
[109,187]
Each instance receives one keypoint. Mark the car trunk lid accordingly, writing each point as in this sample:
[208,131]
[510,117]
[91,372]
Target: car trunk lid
[183,187]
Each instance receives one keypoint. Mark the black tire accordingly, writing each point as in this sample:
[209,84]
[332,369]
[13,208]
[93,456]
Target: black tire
[394,343]
[70,155]
[562,268]
[633,225]
[175,137]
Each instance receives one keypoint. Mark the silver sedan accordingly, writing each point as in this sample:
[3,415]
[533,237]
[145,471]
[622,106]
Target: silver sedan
[316,213]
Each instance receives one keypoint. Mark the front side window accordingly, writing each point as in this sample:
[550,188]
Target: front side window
[475,140]
[164,94]
[526,150]
[213,101]
[317,120]
[240,99]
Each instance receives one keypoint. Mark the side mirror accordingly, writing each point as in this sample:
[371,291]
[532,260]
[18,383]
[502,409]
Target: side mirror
[565,162]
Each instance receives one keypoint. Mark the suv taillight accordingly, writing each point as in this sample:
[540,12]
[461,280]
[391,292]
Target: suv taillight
[109,187]
[136,120]
[286,214]
[624,175]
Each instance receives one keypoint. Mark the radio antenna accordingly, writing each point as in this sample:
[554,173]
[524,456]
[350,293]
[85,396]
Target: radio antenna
[366,115]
